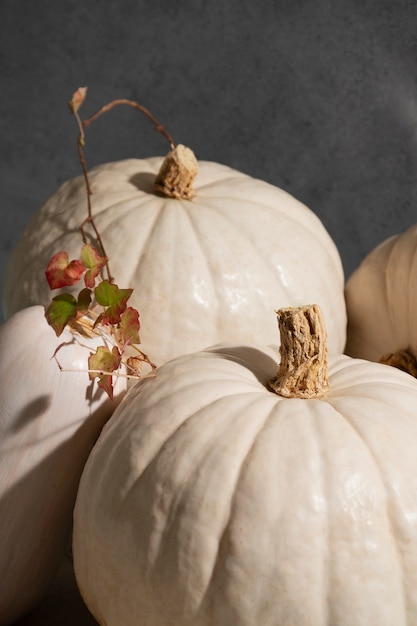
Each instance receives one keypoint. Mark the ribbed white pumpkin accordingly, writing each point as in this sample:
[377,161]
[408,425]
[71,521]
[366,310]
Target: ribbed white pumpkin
[381,298]
[209,500]
[49,421]
[203,270]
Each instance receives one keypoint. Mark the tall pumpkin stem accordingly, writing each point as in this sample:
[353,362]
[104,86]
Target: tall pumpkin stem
[303,370]
[177,172]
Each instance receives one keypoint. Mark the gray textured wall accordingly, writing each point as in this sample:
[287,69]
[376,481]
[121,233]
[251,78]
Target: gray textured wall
[319,98]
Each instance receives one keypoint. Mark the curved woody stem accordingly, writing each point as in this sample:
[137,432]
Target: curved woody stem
[110,105]
[83,124]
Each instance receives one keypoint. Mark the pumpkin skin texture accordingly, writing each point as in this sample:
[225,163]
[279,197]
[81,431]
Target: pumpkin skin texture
[49,421]
[204,270]
[208,500]
[381,299]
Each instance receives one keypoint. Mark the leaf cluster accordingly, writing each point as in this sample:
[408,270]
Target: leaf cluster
[102,305]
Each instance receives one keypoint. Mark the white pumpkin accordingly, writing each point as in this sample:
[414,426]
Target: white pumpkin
[381,299]
[210,500]
[49,421]
[203,270]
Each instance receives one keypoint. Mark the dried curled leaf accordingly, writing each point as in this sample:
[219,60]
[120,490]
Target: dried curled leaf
[134,365]
[101,364]
[77,99]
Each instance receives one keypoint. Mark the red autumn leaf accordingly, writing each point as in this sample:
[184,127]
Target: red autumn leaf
[102,364]
[93,262]
[60,272]
[129,326]
[114,298]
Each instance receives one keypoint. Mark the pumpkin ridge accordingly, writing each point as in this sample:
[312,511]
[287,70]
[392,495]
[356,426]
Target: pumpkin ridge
[299,221]
[188,212]
[298,213]
[135,269]
[273,414]
[196,416]
[230,178]
[317,234]
[380,299]
[350,368]
[136,203]
[237,228]
[183,212]
[314,409]
[366,444]
[218,561]
[385,483]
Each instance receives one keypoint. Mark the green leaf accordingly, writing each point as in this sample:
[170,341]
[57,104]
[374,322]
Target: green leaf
[93,262]
[109,295]
[62,309]
[62,273]
[84,300]
[129,326]
[104,362]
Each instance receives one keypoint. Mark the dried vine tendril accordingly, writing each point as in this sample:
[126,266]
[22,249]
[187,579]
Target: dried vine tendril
[101,307]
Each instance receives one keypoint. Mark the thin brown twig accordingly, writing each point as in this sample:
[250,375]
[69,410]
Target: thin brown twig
[110,105]
[83,124]
[89,219]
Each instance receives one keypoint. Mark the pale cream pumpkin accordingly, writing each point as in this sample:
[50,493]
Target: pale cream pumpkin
[49,421]
[204,269]
[209,500]
[381,300]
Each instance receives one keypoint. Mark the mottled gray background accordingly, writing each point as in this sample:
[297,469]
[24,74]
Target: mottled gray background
[318,97]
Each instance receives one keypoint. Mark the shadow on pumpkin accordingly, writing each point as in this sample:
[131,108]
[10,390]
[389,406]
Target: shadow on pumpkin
[249,357]
[40,469]
[38,407]
[144,182]
[31,412]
